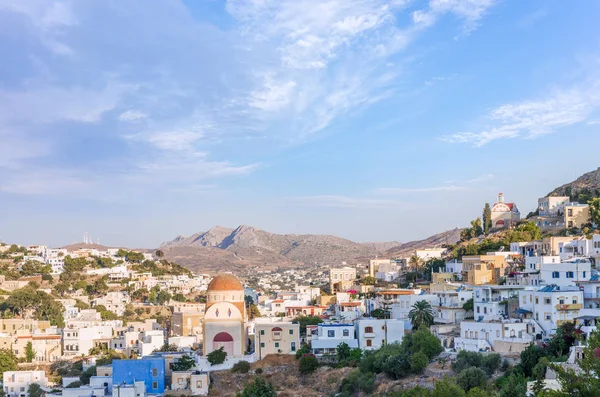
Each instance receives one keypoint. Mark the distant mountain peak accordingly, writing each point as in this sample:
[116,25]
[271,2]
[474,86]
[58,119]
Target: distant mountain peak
[582,189]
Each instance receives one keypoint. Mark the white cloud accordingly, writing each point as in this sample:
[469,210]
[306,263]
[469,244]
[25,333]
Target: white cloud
[482,178]
[434,189]
[470,11]
[345,202]
[531,119]
[132,115]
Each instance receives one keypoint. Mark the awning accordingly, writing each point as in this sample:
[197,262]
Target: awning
[522,311]
[587,317]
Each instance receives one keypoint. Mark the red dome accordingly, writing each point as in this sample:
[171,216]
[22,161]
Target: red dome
[223,337]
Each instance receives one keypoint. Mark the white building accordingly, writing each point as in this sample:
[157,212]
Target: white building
[505,336]
[534,263]
[430,253]
[449,308]
[454,266]
[400,302]
[114,301]
[79,341]
[566,273]
[551,305]
[329,335]
[137,389]
[16,383]
[491,301]
[372,334]
[591,291]
[552,206]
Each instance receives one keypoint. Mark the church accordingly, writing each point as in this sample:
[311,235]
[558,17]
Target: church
[224,322]
[504,215]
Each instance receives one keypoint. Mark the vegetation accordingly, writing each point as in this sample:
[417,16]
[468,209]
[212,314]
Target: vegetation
[487,218]
[595,210]
[217,356]
[259,388]
[35,390]
[421,315]
[357,382]
[242,367]
[28,302]
[185,363]
[488,363]
[8,361]
[347,356]
[471,378]
[308,363]
[307,320]
[29,352]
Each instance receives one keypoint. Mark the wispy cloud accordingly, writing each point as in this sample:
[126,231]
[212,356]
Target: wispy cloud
[531,119]
[345,202]
[482,178]
[434,189]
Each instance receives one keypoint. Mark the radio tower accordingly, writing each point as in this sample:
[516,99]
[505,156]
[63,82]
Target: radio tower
[86,238]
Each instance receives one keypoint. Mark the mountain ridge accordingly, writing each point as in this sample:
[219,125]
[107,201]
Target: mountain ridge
[582,189]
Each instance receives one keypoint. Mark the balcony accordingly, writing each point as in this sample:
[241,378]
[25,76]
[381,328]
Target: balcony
[572,306]
[370,334]
[561,322]
[588,295]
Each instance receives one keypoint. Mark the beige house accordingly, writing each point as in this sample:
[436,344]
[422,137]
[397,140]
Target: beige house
[341,279]
[551,245]
[483,269]
[14,325]
[190,383]
[576,215]
[277,338]
[47,348]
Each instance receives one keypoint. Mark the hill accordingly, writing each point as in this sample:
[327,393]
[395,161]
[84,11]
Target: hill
[221,248]
[581,189]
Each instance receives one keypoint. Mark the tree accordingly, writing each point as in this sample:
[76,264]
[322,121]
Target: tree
[595,210]
[217,356]
[159,254]
[162,297]
[471,377]
[378,313]
[243,367]
[468,305]
[307,320]
[487,218]
[8,361]
[447,388]
[35,390]
[343,352]
[421,315]
[253,311]
[415,262]
[418,362]
[29,352]
[357,382]
[368,280]
[308,363]
[185,363]
[304,349]
[424,341]
[259,388]
[516,387]
[476,228]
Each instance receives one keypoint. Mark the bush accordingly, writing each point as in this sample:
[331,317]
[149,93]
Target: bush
[489,363]
[308,363]
[259,388]
[242,367]
[74,385]
[356,382]
[258,371]
[304,349]
[418,362]
[217,356]
[424,341]
[471,377]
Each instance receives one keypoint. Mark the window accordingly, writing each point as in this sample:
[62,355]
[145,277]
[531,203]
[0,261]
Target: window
[293,346]
[262,331]
[547,316]
[155,385]
[331,333]
[497,333]
[277,344]
[546,301]
[154,371]
[555,275]
[22,389]
[180,381]
[574,300]
[199,384]
[584,274]
[369,343]
[570,274]
[524,299]
[368,330]
[537,300]
[291,332]
[262,344]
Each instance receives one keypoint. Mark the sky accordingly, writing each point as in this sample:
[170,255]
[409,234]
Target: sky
[136,121]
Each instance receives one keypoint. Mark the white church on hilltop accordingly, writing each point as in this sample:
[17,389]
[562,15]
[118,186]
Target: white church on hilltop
[224,322]
[504,215]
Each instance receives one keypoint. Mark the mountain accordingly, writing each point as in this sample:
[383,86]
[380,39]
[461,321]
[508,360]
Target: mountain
[222,248]
[581,189]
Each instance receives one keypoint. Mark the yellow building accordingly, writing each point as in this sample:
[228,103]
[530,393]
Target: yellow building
[14,325]
[576,215]
[277,338]
[483,269]
[342,279]
[47,348]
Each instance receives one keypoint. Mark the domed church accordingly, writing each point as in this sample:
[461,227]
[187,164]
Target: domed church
[225,316]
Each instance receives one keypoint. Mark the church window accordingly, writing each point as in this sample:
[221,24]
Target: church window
[262,331]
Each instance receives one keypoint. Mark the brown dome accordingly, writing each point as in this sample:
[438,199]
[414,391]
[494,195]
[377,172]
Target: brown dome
[225,282]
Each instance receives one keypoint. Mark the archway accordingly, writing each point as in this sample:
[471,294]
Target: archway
[224,340]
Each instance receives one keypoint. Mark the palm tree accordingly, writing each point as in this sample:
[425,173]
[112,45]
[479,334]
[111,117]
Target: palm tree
[421,314]
[415,263]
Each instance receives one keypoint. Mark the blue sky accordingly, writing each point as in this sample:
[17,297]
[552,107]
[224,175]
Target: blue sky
[373,120]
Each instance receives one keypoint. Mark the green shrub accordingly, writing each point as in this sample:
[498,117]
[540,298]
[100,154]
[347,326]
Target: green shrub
[242,367]
[308,363]
[258,371]
[217,356]
[356,382]
[259,388]
[472,377]
[418,362]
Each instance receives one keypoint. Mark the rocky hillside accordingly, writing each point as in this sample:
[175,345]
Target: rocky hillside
[581,189]
[246,247]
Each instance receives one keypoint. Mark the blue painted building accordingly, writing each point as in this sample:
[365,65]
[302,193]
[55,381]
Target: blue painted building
[151,370]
